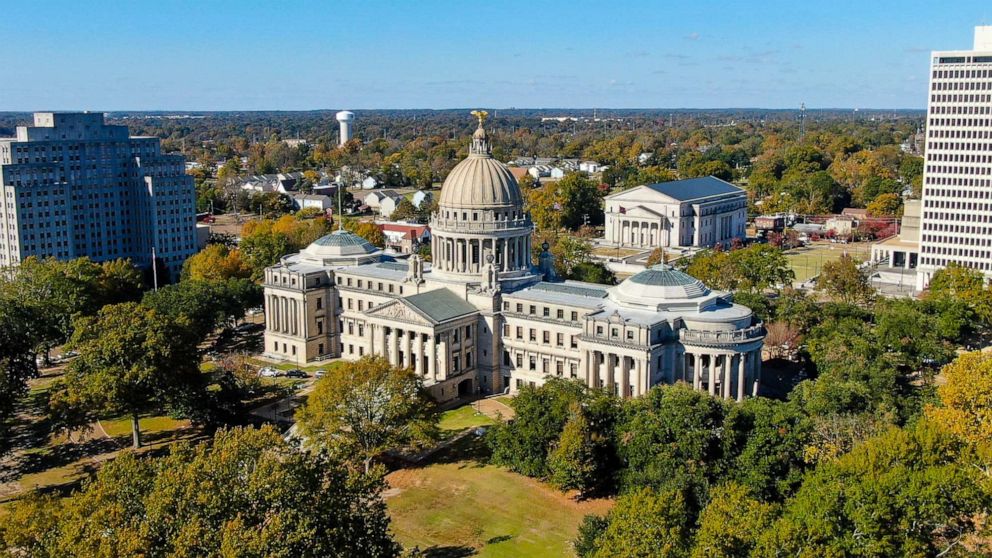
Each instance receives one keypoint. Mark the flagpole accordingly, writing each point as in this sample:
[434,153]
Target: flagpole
[154,270]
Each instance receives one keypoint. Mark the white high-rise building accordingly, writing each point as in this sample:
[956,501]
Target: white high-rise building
[956,220]
[73,186]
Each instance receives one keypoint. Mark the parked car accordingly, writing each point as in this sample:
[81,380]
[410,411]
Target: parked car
[296,373]
[319,373]
[268,372]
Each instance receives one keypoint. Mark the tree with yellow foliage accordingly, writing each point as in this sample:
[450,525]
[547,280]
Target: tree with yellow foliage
[966,397]
[216,262]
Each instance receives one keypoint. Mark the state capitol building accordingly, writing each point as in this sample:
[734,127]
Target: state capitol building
[481,318]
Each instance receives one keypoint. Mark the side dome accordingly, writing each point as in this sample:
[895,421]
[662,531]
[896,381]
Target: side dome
[659,284]
[340,247]
[480,182]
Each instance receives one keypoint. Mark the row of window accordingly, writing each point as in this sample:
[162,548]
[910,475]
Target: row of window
[959,98]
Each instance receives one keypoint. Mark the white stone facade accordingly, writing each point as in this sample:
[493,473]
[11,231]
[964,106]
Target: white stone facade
[698,212]
[482,318]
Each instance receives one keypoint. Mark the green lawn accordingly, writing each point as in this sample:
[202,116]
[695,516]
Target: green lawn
[457,507]
[462,418]
[149,425]
[807,262]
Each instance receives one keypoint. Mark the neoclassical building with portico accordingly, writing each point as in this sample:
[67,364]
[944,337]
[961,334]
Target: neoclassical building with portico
[481,317]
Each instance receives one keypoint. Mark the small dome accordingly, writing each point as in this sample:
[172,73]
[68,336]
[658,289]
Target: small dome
[339,245]
[658,284]
[480,182]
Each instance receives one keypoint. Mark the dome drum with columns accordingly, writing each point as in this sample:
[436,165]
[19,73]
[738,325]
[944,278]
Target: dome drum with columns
[480,213]
[479,318]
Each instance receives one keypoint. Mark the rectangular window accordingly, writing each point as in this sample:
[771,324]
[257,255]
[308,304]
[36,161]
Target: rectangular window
[546,337]
[561,314]
[320,302]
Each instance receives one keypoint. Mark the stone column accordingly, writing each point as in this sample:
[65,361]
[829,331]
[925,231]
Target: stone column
[741,360]
[418,352]
[757,372]
[284,317]
[728,373]
[712,374]
[697,375]
[624,376]
[272,313]
[587,355]
[431,370]
[394,348]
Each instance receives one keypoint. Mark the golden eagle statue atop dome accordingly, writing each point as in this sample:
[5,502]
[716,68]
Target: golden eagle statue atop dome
[481,115]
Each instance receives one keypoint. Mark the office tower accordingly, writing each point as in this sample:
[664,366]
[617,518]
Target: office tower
[74,186]
[957,179]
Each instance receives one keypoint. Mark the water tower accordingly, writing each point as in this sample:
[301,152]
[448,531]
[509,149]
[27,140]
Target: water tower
[345,119]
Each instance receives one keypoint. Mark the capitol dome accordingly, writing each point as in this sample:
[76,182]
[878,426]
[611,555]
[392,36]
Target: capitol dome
[340,247]
[480,182]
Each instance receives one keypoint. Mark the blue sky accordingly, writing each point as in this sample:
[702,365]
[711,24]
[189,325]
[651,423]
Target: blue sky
[253,55]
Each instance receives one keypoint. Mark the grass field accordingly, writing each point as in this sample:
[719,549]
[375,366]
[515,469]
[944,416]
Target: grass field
[806,262]
[462,418]
[606,252]
[461,507]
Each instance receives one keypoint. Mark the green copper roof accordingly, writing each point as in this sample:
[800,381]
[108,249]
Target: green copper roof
[343,239]
[441,305]
[663,275]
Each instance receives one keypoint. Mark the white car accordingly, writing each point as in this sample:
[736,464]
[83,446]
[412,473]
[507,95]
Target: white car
[268,372]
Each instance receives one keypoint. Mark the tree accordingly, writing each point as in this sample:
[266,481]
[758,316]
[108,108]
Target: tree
[843,280]
[593,272]
[216,262]
[204,305]
[647,524]
[17,361]
[907,492]
[53,292]
[264,241]
[962,283]
[524,444]
[404,211]
[885,205]
[245,493]
[369,231]
[671,437]
[759,267]
[655,257]
[367,408]
[731,523]
[572,462]
[965,407]
[131,361]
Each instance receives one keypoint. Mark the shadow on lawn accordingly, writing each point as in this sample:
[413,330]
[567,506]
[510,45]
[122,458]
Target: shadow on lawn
[446,552]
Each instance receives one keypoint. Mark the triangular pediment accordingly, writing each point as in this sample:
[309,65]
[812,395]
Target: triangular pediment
[641,211]
[400,310]
[642,194]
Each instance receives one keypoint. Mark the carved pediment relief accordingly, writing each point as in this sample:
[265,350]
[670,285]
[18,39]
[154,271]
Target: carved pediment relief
[396,310]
